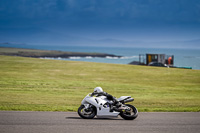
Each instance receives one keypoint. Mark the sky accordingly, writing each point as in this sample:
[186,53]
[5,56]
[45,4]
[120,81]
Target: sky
[111,23]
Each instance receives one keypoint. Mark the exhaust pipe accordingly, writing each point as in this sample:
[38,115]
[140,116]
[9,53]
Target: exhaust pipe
[128,100]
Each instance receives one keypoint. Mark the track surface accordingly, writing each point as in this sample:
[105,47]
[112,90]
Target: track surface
[70,122]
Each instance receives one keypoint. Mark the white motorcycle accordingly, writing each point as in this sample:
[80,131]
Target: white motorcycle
[103,108]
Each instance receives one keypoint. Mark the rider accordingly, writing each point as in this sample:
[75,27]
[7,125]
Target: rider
[98,91]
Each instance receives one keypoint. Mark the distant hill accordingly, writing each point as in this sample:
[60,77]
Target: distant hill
[47,53]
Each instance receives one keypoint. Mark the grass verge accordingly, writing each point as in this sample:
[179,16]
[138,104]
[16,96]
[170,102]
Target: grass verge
[29,84]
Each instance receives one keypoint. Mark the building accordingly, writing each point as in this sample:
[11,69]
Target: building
[157,58]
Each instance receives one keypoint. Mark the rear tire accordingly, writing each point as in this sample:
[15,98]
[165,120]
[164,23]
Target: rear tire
[130,115]
[87,113]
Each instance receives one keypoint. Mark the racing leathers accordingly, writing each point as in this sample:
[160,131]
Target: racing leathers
[109,97]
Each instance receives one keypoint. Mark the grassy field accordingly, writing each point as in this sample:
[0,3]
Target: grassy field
[52,85]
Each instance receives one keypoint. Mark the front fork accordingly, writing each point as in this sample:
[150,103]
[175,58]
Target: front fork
[86,106]
[87,110]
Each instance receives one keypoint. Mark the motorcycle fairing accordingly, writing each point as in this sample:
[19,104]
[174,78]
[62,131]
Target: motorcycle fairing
[123,98]
[99,103]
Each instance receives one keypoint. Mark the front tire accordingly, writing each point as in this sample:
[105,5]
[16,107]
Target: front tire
[129,114]
[87,113]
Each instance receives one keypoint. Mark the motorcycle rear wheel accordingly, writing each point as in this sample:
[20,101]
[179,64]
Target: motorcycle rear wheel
[129,115]
[87,113]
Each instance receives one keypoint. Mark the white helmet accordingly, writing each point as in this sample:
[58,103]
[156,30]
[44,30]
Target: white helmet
[98,89]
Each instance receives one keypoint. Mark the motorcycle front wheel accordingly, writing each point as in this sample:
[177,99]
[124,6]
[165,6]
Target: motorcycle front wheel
[87,113]
[129,114]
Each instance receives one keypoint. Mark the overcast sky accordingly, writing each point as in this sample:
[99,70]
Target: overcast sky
[125,23]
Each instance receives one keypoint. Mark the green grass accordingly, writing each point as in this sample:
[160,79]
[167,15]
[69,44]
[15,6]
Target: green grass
[30,84]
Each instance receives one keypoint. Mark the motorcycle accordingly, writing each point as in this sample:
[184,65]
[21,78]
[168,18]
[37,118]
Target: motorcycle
[104,108]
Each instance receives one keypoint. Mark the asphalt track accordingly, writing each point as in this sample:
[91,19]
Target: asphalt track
[70,122]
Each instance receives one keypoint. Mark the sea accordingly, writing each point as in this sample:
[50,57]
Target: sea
[182,57]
